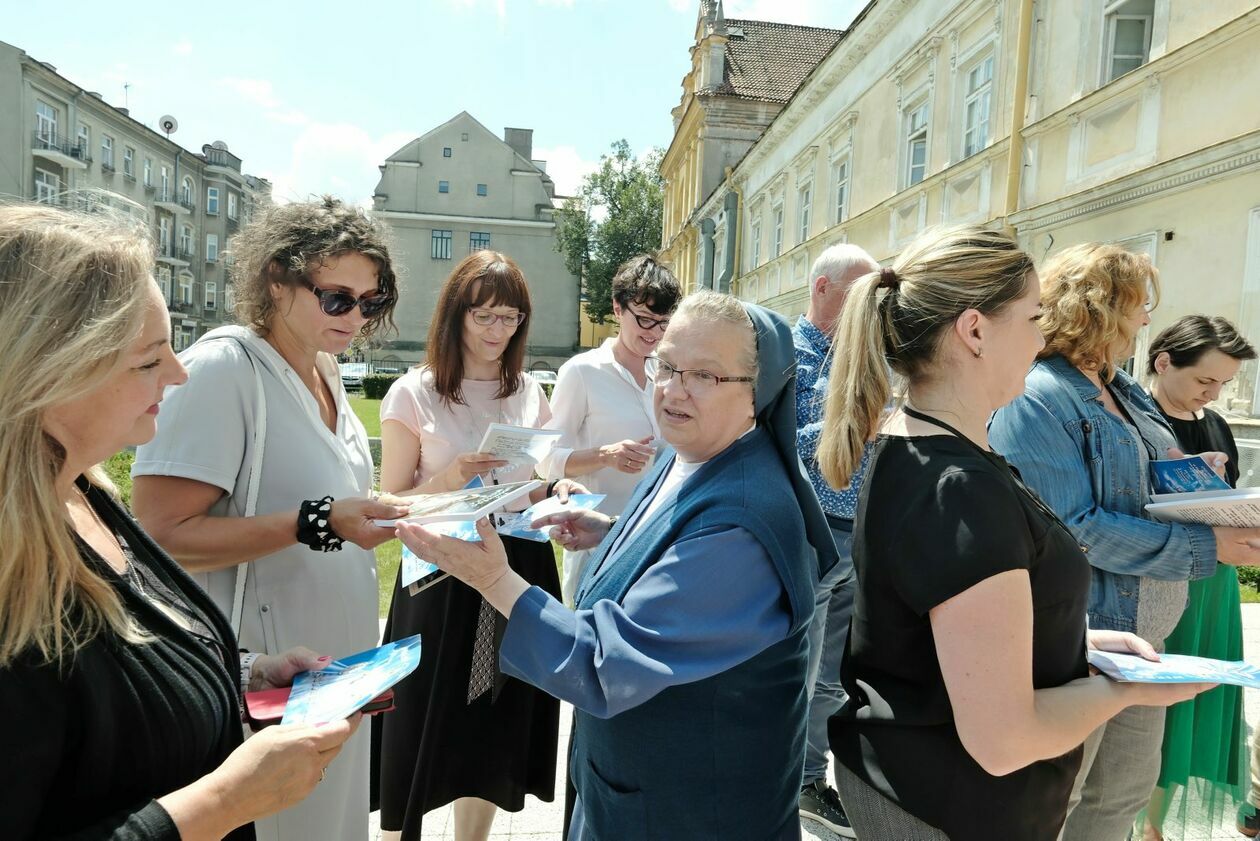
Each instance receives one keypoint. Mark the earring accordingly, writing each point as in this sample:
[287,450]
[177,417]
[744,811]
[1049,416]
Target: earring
[979,352]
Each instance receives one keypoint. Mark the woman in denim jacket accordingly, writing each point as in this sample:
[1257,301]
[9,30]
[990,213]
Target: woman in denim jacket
[1083,436]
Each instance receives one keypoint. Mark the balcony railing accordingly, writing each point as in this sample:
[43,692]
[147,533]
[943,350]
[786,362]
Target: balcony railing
[47,141]
[185,254]
[150,188]
[130,176]
[187,203]
[107,167]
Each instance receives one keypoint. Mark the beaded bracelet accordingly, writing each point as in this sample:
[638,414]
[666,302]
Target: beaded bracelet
[313,526]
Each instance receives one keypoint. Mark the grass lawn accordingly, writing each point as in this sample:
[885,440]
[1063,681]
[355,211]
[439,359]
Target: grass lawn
[369,412]
[1249,594]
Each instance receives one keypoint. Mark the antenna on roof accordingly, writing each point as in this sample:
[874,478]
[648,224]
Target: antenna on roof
[127,95]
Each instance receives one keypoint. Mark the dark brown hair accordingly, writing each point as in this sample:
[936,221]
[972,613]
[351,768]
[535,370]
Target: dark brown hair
[646,281]
[287,241]
[1187,339]
[482,279]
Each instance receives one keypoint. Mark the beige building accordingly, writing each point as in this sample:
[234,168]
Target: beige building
[742,72]
[1144,133]
[64,145]
[460,188]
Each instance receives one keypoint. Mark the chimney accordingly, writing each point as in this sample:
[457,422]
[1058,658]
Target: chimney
[521,140]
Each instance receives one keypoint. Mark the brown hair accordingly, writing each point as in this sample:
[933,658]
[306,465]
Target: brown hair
[938,277]
[287,241]
[1187,339]
[483,278]
[1086,292]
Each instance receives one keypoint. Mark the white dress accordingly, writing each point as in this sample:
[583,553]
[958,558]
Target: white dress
[595,402]
[326,601]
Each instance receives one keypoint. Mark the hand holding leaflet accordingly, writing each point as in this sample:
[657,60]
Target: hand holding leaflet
[1174,668]
[349,684]
[519,446]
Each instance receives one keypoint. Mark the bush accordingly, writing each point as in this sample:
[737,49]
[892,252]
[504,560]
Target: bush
[1249,576]
[118,468]
[375,385]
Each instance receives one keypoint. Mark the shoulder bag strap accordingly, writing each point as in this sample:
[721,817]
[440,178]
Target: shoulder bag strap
[251,492]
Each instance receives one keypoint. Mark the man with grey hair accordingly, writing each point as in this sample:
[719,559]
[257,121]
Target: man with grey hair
[833,273]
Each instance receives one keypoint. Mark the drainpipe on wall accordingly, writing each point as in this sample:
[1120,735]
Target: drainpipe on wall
[737,240]
[1015,154]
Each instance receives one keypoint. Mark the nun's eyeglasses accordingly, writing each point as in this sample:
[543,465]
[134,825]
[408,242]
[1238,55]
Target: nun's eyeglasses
[694,381]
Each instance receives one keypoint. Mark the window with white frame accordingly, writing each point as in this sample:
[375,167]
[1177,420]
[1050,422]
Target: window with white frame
[440,245]
[45,121]
[916,121]
[148,172]
[129,161]
[186,239]
[754,234]
[777,248]
[804,203]
[212,248]
[185,287]
[84,138]
[107,151]
[166,184]
[47,185]
[212,295]
[840,188]
[212,201]
[164,282]
[186,191]
[179,341]
[977,105]
[231,205]
[164,236]
[1127,26]
[478,241]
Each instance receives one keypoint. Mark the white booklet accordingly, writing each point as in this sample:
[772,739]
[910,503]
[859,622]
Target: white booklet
[1238,508]
[347,684]
[520,446]
[1174,668]
[470,503]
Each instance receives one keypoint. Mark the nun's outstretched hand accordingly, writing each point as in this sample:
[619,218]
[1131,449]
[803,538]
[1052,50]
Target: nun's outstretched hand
[482,566]
[578,529]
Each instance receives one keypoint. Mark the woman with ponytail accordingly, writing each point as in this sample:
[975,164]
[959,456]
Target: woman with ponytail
[969,692]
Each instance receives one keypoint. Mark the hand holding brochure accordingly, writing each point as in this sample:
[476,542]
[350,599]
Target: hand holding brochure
[518,445]
[350,683]
[1187,490]
[1174,668]
[518,525]
[469,503]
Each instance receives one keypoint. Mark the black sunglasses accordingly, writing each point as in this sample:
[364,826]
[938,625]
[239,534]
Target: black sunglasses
[335,303]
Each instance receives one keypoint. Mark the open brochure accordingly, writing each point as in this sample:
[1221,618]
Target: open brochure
[469,503]
[1175,668]
[349,684]
[520,446]
[418,574]
[1187,490]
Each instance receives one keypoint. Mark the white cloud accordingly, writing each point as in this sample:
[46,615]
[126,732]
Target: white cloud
[182,47]
[566,167]
[337,158]
[260,92]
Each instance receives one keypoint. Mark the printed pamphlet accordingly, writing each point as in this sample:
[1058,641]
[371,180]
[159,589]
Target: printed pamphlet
[350,683]
[520,446]
[468,503]
[1185,475]
[1187,490]
[1175,668]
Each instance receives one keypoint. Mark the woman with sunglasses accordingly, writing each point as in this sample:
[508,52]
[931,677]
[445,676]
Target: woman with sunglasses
[259,481]
[465,733]
[603,399]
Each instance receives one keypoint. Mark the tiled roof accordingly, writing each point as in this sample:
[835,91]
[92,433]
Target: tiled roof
[770,60]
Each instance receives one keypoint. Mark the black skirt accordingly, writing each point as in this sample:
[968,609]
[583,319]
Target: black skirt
[436,747]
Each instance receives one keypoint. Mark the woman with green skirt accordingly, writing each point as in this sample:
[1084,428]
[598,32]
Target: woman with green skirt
[1204,771]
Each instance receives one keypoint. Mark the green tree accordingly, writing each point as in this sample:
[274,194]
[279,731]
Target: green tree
[615,215]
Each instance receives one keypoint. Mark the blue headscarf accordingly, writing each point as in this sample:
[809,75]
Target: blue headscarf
[775,407]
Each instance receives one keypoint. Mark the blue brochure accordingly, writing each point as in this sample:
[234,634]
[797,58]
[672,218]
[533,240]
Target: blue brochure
[350,683]
[1175,668]
[518,525]
[1185,475]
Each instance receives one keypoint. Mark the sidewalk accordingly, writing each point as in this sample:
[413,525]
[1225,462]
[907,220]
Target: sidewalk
[540,821]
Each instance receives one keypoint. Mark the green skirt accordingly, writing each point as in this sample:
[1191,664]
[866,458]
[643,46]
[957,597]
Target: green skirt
[1204,770]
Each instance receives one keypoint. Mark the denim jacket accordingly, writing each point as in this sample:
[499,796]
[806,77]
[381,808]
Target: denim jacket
[1092,471]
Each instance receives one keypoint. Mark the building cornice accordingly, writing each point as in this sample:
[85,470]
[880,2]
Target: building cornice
[415,216]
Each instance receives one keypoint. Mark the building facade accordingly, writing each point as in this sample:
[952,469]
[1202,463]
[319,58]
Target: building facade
[742,72]
[929,113]
[65,145]
[459,189]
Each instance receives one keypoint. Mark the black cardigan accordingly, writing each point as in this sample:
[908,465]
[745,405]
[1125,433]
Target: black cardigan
[86,748]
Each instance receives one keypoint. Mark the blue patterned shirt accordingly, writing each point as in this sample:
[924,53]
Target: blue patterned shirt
[813,364]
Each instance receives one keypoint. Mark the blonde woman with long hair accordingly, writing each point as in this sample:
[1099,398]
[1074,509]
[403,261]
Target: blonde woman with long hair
[969,692]
[1084,434]
[118,677]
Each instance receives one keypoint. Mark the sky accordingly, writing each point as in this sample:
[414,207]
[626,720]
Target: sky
[315,100]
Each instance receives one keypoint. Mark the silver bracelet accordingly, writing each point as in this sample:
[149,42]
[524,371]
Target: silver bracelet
[247,669]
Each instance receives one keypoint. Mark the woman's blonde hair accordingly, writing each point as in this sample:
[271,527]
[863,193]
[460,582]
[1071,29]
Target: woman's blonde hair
[72,299]
[285,242]
[1086,293]
[895,318]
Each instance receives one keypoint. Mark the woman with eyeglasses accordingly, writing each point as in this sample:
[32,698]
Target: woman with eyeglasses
[465,733]
[685,657]
[603,398]
[259,479]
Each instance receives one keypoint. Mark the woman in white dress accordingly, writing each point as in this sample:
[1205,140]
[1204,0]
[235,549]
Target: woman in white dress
[258,440]
[603,399]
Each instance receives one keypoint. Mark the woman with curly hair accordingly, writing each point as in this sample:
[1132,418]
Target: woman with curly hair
[259,481]
[1083,436]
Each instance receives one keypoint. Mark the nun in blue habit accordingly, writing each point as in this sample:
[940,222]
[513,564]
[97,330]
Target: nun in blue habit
[686,656]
